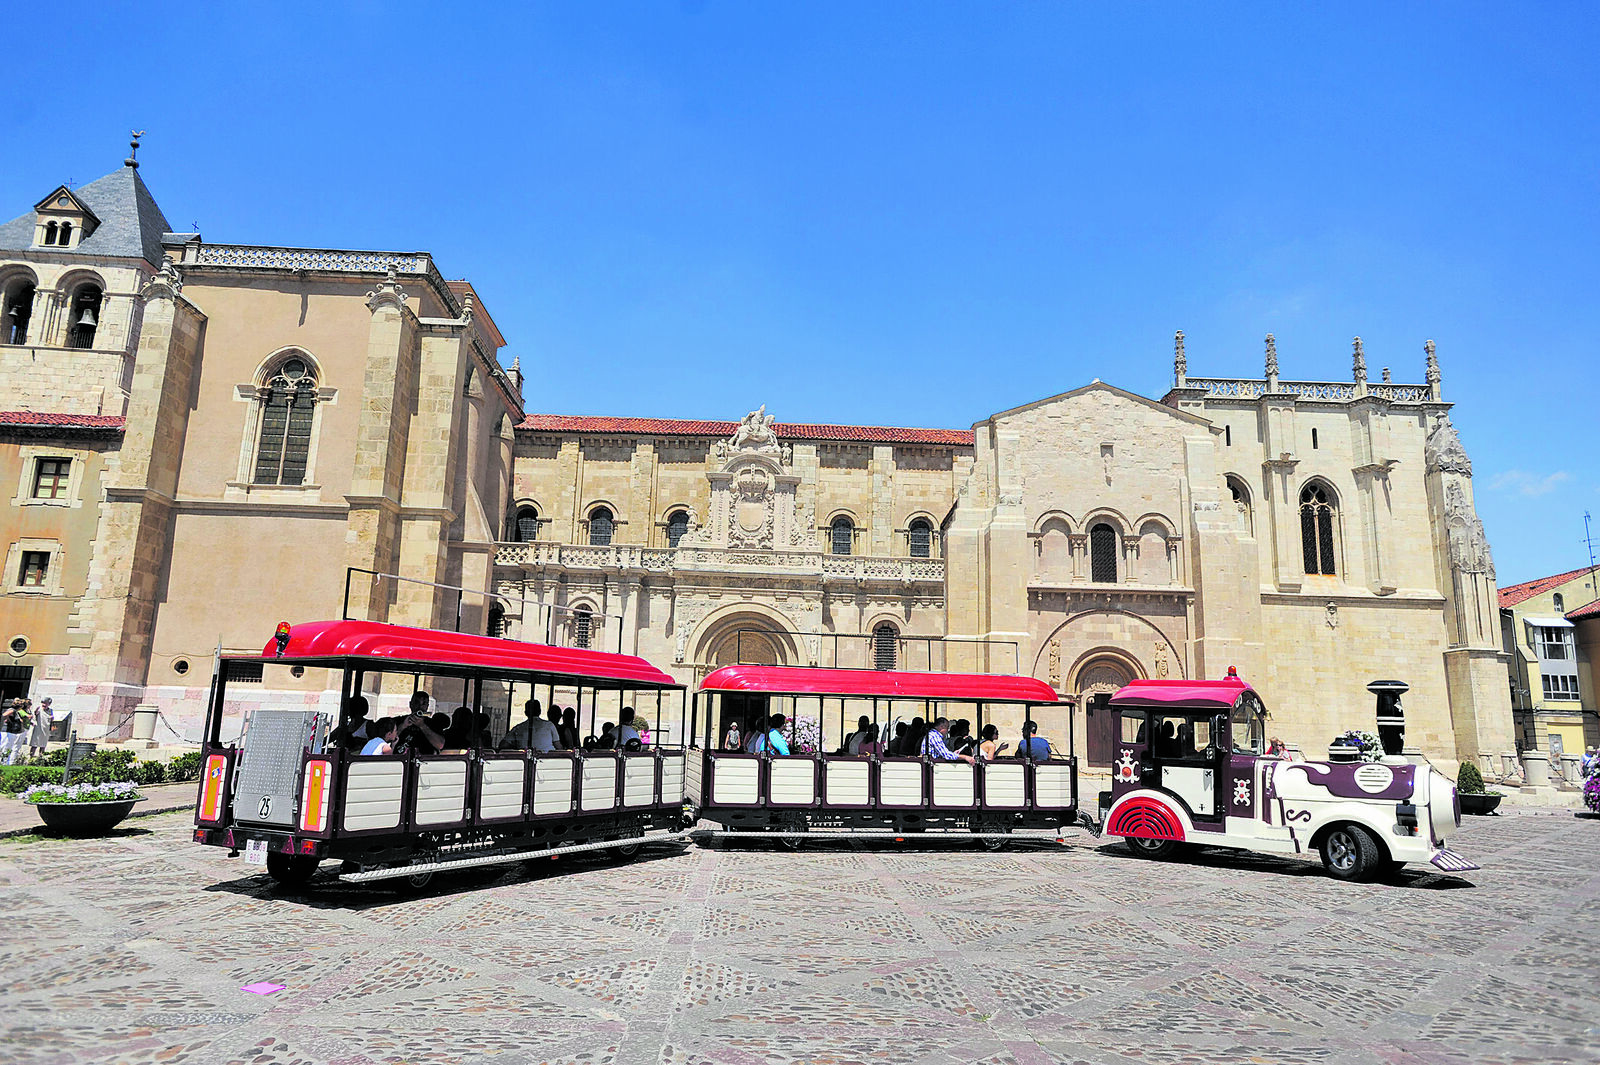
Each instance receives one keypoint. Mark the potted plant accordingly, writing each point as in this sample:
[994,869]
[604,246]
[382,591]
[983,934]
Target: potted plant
[1355,746]
[82,809]
[1591,792]
[1475,799]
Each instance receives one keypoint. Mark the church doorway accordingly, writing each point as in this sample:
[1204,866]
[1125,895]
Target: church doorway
[1097,679]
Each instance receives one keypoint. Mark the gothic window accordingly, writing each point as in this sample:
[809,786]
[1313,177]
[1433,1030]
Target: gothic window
[497,621]
[17,309]
[601,526]
[1241,502]
[921,538]
[283,446]
[83,320]
[1317,513]
[525,526]
[885,646]
[1103,554]
[677,526]
[843,532]
[582,627]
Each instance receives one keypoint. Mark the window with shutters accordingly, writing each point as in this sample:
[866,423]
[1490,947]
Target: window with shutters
[677,527]
[920,537]
[601,526]
[1318,510]
[843,534]
[1103,554]
[885,646]
[288,415]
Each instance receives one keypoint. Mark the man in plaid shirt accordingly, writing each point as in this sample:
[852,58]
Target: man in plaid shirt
[935,748]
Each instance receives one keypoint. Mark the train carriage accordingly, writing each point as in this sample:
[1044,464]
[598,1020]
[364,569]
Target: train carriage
[287,800]
[814,792]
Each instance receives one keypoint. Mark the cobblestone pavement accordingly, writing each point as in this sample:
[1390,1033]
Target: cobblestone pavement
[134,948]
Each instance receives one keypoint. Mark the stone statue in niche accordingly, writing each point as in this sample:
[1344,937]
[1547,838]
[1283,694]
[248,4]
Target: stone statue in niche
[1055,664]
[755,432]
[1161,665]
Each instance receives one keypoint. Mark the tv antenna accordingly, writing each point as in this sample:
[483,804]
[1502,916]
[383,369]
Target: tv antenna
[1588,541]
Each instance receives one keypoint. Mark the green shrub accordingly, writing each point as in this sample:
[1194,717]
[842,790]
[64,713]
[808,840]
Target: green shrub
[1469,781]
[55,757]
[149,772]
[184,767]
[15,778]
[105,766]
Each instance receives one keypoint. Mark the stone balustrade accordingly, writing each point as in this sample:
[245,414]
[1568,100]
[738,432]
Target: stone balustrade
[540,554]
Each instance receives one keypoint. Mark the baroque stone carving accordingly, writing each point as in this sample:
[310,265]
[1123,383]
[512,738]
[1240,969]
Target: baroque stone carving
[755,432]
[166,284]
[1444,451]
[1469,547]
[388,293]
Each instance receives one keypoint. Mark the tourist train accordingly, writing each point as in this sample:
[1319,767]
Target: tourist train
[1191,767]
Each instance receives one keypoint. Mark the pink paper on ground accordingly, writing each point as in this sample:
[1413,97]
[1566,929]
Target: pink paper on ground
[263,988]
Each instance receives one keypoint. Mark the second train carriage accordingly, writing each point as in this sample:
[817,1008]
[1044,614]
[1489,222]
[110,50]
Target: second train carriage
[816,791]
[287,800]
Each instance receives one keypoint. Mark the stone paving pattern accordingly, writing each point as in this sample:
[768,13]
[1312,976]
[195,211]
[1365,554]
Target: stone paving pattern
[133,949]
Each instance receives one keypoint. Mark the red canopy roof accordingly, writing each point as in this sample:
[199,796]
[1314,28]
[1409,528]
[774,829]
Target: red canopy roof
[883,683]
[1211,694]
[455,652]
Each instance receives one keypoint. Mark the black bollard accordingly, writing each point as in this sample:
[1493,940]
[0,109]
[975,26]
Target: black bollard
[1391,716]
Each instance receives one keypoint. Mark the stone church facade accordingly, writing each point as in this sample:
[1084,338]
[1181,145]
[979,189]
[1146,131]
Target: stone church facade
[244,426]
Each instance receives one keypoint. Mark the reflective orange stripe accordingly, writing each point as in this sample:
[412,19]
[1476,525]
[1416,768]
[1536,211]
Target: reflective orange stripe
[211,797]
[312,809]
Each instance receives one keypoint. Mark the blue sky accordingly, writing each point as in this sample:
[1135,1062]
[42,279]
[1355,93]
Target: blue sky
[910,213]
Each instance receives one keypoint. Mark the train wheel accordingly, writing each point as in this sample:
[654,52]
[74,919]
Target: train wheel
[291,870]
[1350,853]
[790,824]
[988,828]
[1152,848]
[627,849]
[414,883]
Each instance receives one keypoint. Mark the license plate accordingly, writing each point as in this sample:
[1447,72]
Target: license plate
[255,852]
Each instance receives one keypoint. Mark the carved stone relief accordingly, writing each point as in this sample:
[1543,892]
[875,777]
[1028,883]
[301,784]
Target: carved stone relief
[1469,547]
[1444,451]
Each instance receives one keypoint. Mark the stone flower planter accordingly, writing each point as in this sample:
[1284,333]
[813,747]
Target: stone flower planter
[84,818]
[1483,802]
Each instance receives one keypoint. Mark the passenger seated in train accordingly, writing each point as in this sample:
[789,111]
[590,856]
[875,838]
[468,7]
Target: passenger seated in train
[607,740]
[626,729]
[1167,743]
[569,728]
[916,736]
[385,730]
[417,736]
[351,735]
[991,748]
[554,719]
[960,738]
[934,745]
[642,723]
[1033,746]
[458,737]
[852,742]
[533,733]
[772,739]
[869,744]
[897,745]
[483,730]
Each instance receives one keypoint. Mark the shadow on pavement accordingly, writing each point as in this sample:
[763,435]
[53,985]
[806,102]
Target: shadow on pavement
[1413,878]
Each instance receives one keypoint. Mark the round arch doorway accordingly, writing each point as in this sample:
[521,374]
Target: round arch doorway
[1096,679]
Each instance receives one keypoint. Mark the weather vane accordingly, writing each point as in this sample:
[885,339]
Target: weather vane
[133,161]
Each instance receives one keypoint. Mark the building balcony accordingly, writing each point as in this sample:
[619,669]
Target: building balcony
[552,555]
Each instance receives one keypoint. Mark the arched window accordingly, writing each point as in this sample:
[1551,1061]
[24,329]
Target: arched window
[1317,512]
[83,320]
[677,526]
[17,310]
[885,646]
[1560,602]
[920,536]
[1241,502]
[525,526]
[843,534]
[288,403]
[1103,554]
[497,621]
[49,234]
[64,238]
[582,627]
[601,526]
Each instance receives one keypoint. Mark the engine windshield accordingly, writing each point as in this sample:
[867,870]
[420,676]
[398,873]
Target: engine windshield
[1249,727]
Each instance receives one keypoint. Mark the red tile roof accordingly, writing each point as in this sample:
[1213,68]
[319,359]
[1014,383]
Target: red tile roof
[877,434]
[1513,594]
[31,418]
[1590,611]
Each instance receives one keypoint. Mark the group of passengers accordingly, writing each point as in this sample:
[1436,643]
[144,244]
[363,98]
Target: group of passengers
[418,732]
